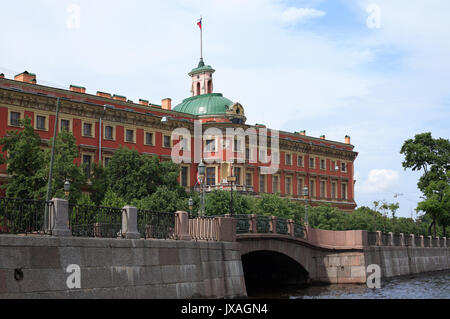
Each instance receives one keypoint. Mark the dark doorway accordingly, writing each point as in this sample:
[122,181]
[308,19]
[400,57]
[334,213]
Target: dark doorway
[266,272]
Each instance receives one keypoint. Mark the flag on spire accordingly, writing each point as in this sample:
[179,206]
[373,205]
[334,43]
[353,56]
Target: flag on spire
[199,23]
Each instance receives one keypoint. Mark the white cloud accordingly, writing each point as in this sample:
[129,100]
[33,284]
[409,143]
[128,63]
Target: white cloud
[294,14]
[379,180]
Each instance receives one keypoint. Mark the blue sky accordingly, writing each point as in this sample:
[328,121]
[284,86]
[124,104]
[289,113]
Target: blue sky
[318,65]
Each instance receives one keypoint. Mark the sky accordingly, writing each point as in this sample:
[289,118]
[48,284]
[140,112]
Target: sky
[375,70]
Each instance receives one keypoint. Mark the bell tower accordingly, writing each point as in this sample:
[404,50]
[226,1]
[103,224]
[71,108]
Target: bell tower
[202,82]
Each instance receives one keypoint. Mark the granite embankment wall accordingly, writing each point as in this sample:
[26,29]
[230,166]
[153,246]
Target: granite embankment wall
[119,268]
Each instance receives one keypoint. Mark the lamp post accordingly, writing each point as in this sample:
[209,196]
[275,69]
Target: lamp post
[67,189]
[191,204]
[231,179]
[306,193]
[201,175]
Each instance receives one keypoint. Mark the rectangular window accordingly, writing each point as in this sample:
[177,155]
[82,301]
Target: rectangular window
[109,132]
[275,184]
[275,157]
[288,159]
[300,161]
[322,189]
[40,122]
[288,186]
[237,173]
[167,141]
[129,136]
[262,183]
[247,154]
[210,145]
[262,156]
[248,179]
[344,191]
[65,125]
[311,162]
[211,176]
[237,145]
[107,159]
[312,188]
[87,161]
[333,190]
[322,164]
[300,187]
[14,118]
[184,176]
[344,167]
[87,129]
[148,138]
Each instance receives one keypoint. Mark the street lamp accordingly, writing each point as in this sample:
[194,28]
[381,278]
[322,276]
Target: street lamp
[67,188]
[191,204]
[201,176]
[305,193]
[231,179]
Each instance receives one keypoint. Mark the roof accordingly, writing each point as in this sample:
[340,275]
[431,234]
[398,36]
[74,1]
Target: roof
[201,68]
[204,104]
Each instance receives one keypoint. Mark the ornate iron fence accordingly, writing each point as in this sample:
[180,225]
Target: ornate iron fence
[397,240]
[372,238]
[282,226]
[23,216]
[95,221]
[418,241]
[242,224]
[262,224]
[408,240]
[426,242]
[434,242]
[299,231]
[441,242]
[158,225]
[385,238]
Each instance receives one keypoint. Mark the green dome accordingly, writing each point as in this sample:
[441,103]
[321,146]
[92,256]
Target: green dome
[205,104]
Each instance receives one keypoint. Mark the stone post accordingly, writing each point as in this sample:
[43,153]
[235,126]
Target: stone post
[391,239]
[413,240]
[182,226]
[129,223]
[444,242]
[291,227]
[273,224]
[438,241]
[430,241]
[402,239]
[252,219]
[59,218]
[379,238]
[421,241]
[227,229]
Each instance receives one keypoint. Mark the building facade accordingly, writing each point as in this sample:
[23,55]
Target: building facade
[103,122]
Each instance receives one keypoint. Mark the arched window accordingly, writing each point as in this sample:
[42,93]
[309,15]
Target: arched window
[198,88]
[210,86]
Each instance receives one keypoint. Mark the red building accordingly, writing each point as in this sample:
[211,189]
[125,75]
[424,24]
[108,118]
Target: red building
[323,165]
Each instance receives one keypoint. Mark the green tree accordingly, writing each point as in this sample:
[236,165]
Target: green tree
[113,200]
[163,200]
[134,176]
[99,184]
[24,160]
[64,168]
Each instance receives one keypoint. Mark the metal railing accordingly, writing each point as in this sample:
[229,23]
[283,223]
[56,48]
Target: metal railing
[23,216]
[385,239]
[242,224]
[158,225]
[418,241]
[95,221]
[282,226]
[397,240]
[434,242]
[262,224]
[426,242]
[299,231]
[372,238]
[408,240]
[204,228]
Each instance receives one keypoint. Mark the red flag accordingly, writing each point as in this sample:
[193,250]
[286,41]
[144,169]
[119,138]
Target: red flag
[199,23]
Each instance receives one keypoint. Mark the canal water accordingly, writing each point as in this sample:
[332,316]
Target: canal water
[434,285]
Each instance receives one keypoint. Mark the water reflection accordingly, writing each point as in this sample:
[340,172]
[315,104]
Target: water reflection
[423,286]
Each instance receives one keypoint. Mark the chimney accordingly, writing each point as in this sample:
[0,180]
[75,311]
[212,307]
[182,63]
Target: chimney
[26,77]
[78,89]
[347,139]
[2,76]
[119,98]
[103,94]
[166,104]
[322,137]
[143,102]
